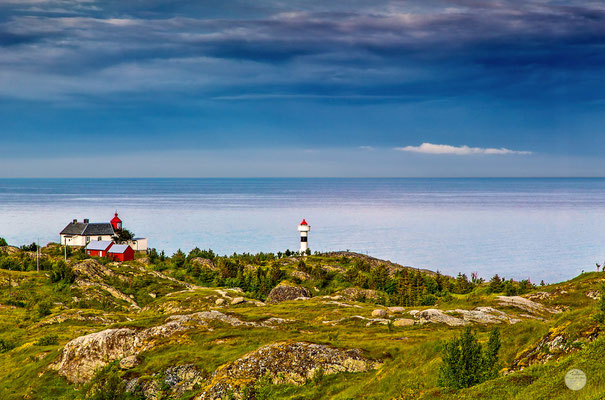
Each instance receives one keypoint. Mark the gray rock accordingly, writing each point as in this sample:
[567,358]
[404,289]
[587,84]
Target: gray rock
[237,300]
[286,292]
[403,322]
[129,362]
[394,310]
[380,313]
[219,302]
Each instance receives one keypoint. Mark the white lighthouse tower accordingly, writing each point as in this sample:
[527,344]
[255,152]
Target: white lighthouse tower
[304,229]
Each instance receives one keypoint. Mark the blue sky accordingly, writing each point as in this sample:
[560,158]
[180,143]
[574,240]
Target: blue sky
[302,88]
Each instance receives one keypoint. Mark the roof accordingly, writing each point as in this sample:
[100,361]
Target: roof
[99,245]
[115,219]
[74,228]
[102,228]
[88,229]
[118,248]
[304,222]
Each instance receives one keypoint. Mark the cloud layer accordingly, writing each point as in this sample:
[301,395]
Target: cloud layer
[430,148]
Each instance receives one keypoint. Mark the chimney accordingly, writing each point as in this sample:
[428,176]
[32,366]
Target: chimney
[86,221]
[75,220]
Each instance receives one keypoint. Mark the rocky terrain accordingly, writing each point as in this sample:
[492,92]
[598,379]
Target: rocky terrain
[156,332]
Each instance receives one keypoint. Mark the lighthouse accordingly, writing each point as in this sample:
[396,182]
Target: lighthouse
[304,229]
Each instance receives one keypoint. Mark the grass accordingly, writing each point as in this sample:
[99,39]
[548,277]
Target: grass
[410,355]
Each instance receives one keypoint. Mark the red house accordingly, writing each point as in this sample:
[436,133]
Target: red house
[98,248]
[121,252]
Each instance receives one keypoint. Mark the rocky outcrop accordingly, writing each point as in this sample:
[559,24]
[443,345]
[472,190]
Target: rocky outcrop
[203,262]
[82,356]
[437,316]
[303,276]
[292,363]
[481,315]
[357,294]
[380,313]
[553,345]
[525,305]
[10,250]
[178,379]
[91,270]
[286,292]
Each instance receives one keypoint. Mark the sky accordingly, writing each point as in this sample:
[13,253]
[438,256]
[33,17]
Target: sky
[220,88]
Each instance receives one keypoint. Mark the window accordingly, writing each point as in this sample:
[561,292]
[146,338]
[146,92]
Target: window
[87,239]
[303,238]
[100,238]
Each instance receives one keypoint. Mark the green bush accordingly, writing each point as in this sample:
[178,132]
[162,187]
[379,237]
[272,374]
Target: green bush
[5,346]
[466,363]
[3,242]
[44,308]
[107,385]
[48,340]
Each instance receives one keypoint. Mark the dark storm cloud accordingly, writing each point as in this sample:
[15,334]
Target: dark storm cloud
[390,48]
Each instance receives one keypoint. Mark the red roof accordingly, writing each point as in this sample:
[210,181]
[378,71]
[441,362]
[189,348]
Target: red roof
[304,222]
[115,219]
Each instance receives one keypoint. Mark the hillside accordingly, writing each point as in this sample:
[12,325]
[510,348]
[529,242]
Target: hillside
[339,325]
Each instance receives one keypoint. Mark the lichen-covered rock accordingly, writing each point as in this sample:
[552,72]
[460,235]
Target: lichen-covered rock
[399,322]
[129,362]
[526,305]
[284,362]
[219,302]
[437,316]
[379,313]
[357,294]
[303,276]
[84,355]
[238,300]
[394,310]
[285,292]
[203,262]
[91,270]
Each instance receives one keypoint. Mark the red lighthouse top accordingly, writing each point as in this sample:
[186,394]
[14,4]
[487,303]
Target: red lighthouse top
[304,222]
[116,222]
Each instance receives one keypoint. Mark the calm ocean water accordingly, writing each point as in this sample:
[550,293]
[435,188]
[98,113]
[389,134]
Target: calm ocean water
[549,229]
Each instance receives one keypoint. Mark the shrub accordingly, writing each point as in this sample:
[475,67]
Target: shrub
[465,363]
[44,308]
[3,242]
[62,272]
[48,340]
[107,385]
[5,346]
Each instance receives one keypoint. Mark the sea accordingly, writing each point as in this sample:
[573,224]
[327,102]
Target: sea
[537,229]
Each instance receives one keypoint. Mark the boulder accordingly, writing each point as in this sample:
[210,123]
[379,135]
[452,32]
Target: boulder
[219,302]
[403,322]
[357,294]
[203,262]
[394,310]
[437,316]
[286,292]
[237,300]
[284,363]
[525,305]
[82,356]
[129,362]
[380,313]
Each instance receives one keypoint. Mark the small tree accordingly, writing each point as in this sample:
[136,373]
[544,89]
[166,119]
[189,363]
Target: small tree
[3,242]
[123,236]
[465,364]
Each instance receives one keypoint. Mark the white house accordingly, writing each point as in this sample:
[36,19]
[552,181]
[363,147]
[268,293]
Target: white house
[79,234]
